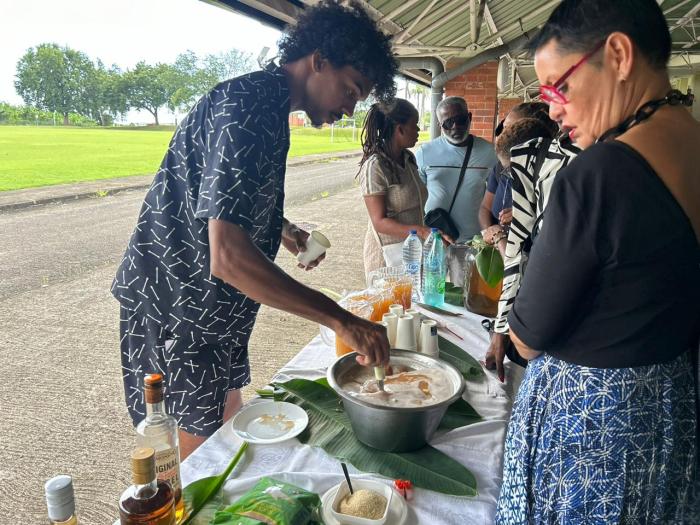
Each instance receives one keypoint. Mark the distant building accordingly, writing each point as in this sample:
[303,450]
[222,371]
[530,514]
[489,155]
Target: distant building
[297,119]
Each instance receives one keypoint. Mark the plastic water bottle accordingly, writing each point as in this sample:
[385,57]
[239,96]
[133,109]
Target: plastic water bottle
[434,270]
[412,258]
[429,242]
[426,250]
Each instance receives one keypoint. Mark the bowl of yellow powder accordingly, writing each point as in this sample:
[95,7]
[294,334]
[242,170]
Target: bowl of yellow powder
[368,505]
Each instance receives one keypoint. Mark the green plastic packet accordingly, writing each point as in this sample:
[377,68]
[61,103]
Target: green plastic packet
[272,502]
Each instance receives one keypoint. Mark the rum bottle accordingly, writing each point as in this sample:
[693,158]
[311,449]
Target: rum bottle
[148,501]
[158,430]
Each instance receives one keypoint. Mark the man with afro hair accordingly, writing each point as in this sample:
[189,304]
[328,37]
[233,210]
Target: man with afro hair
[200,260]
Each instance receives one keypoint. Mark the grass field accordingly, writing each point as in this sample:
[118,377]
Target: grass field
[42,156]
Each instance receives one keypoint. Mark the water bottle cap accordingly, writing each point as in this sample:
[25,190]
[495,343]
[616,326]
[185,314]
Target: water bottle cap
[434,230]
[60,500]
[413,232]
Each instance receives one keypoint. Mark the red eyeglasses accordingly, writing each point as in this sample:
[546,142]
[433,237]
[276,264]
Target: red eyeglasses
[551,93]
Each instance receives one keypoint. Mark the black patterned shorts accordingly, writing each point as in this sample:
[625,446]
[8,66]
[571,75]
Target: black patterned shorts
[197,375]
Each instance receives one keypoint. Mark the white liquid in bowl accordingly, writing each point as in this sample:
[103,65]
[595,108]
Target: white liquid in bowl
[404,388]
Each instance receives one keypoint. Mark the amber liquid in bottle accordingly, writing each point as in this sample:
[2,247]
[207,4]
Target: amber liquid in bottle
[149,505]
[158,430]
[148,501]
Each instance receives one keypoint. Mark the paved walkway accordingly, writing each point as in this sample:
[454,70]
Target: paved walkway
[61,393]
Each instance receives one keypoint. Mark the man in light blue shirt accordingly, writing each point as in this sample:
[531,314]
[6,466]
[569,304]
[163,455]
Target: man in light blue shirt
[439,163]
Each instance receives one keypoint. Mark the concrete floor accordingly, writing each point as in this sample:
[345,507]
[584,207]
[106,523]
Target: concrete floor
[61,397]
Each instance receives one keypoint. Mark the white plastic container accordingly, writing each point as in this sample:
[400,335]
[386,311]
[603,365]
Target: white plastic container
[357,484]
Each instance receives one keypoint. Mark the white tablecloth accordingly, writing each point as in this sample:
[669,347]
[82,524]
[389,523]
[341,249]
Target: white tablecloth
[479,446]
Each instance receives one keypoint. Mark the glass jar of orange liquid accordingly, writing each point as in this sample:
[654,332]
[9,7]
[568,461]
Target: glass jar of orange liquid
[358,305]
[394,281]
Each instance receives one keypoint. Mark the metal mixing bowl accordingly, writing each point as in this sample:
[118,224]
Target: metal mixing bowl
[395,429]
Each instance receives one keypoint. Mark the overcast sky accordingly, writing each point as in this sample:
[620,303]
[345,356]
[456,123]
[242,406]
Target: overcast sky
[123,31]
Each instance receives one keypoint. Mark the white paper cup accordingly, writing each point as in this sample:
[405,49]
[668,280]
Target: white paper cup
[416,324]
[396,309]
[429,338]
[391,321]
[405,334]
[316,245]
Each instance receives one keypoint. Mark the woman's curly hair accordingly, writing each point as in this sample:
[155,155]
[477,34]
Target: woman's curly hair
[520,132]
[345,36]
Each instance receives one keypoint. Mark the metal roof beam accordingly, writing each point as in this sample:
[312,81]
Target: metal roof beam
[677,6]
[441,19]
[517,24]
[494,29]
[420,47]
[476,17]
[403,34]
[475,61]
[398,10]
[687,18]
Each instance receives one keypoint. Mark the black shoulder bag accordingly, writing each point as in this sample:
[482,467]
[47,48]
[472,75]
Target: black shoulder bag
[439,217]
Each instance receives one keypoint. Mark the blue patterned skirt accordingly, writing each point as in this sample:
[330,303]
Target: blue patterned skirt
[601,445]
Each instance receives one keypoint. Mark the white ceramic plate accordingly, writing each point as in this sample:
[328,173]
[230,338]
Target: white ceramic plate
[270,422]
[398,511]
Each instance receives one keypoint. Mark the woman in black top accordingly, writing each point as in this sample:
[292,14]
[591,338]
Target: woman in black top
[604,426]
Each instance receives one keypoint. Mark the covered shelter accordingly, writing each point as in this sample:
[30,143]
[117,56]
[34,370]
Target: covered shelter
[472,48]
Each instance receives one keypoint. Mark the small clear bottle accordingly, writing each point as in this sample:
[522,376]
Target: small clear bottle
[158,430]
[148,501]
[60,500]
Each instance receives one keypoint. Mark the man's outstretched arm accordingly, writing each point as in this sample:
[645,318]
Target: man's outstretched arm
[234,258]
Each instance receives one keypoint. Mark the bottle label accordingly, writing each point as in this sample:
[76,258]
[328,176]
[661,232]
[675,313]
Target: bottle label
[412,268]
[441,286]
[168,468]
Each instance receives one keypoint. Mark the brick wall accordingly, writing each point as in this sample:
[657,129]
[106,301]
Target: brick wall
[478,88]
[505,105]
[296,119]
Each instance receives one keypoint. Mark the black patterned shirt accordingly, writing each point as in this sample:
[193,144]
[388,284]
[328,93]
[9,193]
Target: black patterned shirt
[226,161]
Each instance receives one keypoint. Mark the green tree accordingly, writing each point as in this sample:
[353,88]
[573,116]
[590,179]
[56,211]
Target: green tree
[55,79]
[149,87]
[193,77]
[185,81]
[106,94]
[225,65]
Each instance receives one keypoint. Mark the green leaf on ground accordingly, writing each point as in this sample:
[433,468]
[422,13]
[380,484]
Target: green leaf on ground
[330,429]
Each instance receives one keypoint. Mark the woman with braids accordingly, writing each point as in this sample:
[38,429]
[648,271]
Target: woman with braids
[604,427]
[393,191]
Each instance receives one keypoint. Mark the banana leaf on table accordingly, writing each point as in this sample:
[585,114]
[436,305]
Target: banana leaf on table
[330,428]
[461,360]
[204,497]
[454,295]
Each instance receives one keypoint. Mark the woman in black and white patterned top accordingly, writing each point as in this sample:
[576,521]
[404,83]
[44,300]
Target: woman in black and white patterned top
[532,181]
